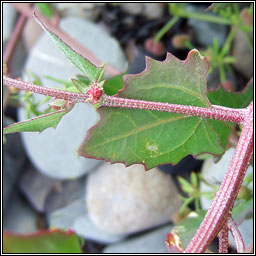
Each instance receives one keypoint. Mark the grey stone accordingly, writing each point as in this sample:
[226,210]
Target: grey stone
[20,218]
[75,217]
[88,11]
[46,194]
[132,8]
[153,10]
[126,200]
[214,174]
[53,152]
[204,31]
[36,187]
[151,242]
[14,158]
[243,54]
[64,193]
[9,17]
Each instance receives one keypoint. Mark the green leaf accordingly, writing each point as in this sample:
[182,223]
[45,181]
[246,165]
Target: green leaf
[152,137]
[45,9]
[37,124]
[81,86]
[241,209]
[188,227]
[232,100]
[42,242]
[114,84]
[84,65]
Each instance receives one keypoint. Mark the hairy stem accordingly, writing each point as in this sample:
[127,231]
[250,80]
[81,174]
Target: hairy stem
[223,240]
[232,226]
[57,93]
[219,211]
[215,112]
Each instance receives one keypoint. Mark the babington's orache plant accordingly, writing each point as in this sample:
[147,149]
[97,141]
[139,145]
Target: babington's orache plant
[160,116]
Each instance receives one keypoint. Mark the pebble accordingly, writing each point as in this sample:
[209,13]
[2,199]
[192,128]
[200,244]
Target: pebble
[151,242]
[124,200]
[14,159]
[20,218]
[9,17]
[75,217]
[243,55]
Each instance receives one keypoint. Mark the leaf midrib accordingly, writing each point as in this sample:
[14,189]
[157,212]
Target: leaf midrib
[167,86]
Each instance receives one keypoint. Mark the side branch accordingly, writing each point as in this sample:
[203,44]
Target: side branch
[232,226]
[57,93]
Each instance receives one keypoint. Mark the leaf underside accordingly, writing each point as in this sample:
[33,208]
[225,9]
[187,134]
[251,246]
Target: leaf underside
[152,137]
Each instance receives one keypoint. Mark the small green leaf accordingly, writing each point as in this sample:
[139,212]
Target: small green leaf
[83,79]
[82,87]
[241,209]
[114,84]
[186,186]
[232,99]
[37,124]
[84,65]
[54,241]
[188,227]
[193,179]
[45,9]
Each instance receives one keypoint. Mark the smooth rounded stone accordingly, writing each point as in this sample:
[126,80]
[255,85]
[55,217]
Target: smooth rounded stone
[14,158]
[9,17]
[153,10]
[20,218]
[214,174]
[75,217]
[243,54]
[151,242]
[85,10]
[132,8]
[124,200]
[53,152]
[46,194]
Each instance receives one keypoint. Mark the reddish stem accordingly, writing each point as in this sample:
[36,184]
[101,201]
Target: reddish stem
[216,112]
[228,191]
[57,93]
[223,240]
[9,49]
[232,226]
